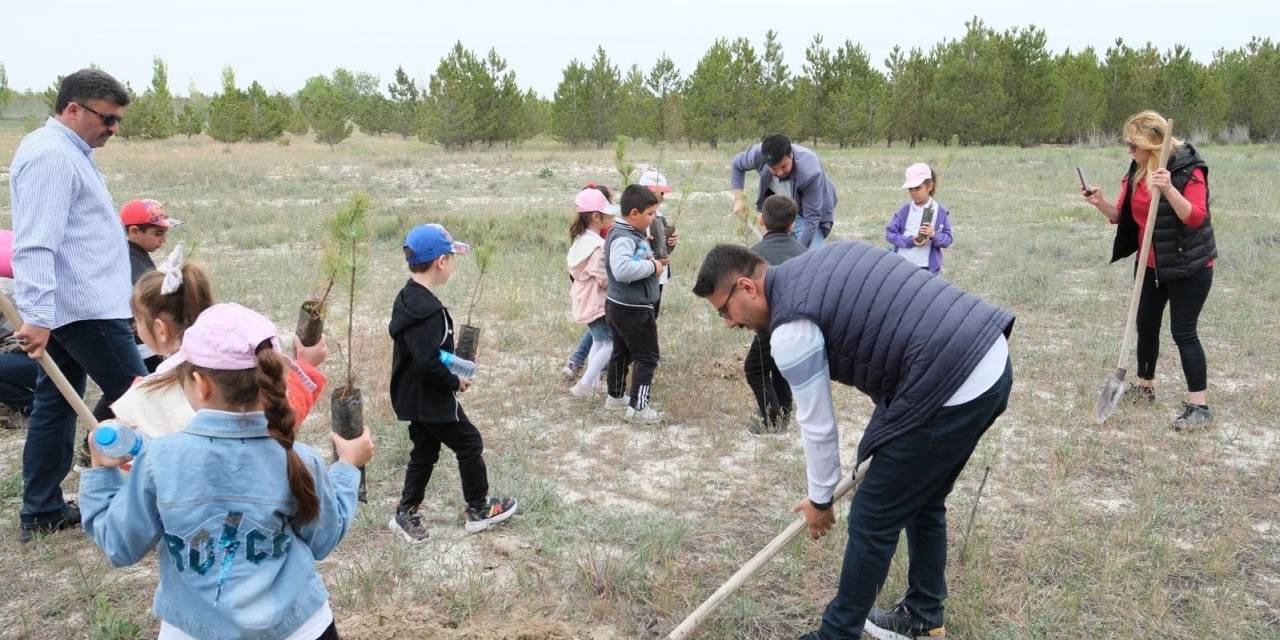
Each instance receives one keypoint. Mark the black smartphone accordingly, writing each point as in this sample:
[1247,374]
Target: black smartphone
[1084,185]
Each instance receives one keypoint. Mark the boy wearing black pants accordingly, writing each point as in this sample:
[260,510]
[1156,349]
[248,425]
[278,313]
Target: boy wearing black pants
[423,389]
[773,394]
[629,304]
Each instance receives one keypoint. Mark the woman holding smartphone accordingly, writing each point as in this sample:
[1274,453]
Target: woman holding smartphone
[1179,269]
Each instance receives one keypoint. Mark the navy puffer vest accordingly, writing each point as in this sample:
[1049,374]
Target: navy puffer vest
[904,337]
[1181,252]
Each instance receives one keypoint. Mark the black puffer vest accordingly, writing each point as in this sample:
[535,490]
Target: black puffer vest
[904,337]
[1181,251]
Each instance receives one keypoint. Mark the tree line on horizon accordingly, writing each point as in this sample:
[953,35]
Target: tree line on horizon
[985,87]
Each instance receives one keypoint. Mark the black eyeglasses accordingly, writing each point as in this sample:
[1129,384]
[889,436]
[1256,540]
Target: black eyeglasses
[107,120]
[723,310]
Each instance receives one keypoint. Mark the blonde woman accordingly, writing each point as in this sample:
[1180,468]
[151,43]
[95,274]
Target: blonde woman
[1180,267]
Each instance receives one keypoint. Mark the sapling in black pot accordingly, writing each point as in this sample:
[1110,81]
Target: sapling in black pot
[348,230]
[311,318]
[469,334]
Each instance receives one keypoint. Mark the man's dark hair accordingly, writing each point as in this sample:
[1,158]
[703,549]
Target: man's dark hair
[636,198]
[775,147]
[725,262]
[90,84]
[778,213]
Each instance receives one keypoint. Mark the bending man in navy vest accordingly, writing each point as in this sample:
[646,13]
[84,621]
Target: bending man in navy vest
[793,171]
[934,360]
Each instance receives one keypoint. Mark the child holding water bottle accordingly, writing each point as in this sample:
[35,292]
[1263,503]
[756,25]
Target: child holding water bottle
[424,390]
[235,507]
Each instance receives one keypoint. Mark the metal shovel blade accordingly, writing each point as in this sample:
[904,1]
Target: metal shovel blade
[1109,399]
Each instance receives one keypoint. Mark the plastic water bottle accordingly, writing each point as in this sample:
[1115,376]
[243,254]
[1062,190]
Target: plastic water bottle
[117,440]
[460,367]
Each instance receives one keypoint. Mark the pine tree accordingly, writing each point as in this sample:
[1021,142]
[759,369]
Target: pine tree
[775,88]
[1034,107]
[327,105]
[604,84]
[450,116]
[708,107]
[404,104]
[569,105]
[1129,76]
[229,111]
[191,120]
[266,116]
[1084,101]
[910,78]
[637,108]
[848,92]
[665,85]
[967,99]
[5,92]
[1188,93]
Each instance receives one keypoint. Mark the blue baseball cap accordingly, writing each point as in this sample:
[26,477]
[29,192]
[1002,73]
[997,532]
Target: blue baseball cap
[426,242]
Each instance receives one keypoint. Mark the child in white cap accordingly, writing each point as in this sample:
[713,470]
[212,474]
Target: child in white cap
[921,228]
[657,183]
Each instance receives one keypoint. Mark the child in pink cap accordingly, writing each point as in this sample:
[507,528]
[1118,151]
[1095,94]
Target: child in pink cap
[237,510]
[921,228]
[589,282]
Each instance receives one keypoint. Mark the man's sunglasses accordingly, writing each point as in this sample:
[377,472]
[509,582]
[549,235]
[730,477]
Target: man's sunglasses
[107,120]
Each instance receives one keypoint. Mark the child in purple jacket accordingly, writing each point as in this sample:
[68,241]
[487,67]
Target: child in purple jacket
[921,243]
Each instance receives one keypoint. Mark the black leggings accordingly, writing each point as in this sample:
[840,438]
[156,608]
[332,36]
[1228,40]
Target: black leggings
[1185,297]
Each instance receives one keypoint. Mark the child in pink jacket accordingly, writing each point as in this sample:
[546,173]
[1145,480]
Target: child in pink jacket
[586,268]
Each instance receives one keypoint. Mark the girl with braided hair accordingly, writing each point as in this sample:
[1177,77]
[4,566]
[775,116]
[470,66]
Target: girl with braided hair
[238,510]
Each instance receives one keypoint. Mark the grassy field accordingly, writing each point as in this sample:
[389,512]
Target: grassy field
[1123,531]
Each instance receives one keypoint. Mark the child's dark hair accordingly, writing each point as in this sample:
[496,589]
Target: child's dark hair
[778,213]
[422,267]
[933,179]
[243,389]
[142,227]
[180,308]
[637,198]
[583,221]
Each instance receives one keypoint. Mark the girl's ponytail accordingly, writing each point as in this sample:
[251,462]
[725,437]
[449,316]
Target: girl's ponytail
[282,424]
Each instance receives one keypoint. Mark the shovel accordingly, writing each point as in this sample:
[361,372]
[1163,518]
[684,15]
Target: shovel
[51,369]
[766,554]
[1113,388]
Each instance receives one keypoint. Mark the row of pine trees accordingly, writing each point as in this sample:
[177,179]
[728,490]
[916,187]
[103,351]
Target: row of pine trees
[986,87]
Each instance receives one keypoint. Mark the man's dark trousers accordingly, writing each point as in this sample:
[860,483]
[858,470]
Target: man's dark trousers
[98,349]
[906,486]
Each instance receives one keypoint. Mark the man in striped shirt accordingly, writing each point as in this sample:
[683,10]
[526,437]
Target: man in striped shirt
[71,269]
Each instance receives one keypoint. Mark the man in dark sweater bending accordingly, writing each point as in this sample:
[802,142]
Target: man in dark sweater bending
[934,360]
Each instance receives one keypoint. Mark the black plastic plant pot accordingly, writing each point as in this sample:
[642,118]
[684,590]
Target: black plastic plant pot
[658,229]
[468,342]
[310,323]
[346,408]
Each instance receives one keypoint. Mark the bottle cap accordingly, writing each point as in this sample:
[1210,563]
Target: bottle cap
[105,435]
[446,357]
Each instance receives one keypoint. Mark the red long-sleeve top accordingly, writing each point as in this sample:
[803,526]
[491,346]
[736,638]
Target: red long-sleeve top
[1196,192]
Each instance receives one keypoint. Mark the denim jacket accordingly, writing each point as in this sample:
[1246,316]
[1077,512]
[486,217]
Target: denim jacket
[215,500]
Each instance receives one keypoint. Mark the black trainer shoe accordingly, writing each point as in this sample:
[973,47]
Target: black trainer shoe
[409,525]
[70,519]
[494,511]
[1139,394]
[1193,418]
[899,623]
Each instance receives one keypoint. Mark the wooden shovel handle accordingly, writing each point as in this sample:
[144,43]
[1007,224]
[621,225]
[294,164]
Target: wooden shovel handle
[766,554]
[1140,273]
[51,369]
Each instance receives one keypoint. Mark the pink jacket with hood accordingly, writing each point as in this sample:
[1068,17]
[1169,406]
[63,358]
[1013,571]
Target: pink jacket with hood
[590,283]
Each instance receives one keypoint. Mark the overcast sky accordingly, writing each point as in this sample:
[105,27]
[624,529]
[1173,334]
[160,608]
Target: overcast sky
[281,43]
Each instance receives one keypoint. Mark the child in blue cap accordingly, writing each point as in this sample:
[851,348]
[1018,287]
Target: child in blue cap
[424,391]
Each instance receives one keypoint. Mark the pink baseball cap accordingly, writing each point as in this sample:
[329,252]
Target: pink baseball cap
[590,199]
[225,337]
[917,174]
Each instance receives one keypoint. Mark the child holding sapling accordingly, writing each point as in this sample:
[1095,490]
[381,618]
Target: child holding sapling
[921,228]
[590,282]
[629,305]
[657,183]
[165,303]
[238,511]
[424,390]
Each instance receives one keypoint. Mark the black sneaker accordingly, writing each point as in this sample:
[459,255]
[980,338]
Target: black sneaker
[1193,418]
[495,510]
[70,519]
[899,623]
[1139,394]
[409,525]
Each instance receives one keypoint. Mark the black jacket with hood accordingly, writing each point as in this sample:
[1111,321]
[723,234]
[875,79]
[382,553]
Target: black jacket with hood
[422,388]
[1181,252]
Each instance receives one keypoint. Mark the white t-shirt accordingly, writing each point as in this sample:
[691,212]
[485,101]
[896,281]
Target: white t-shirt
[918,256]
[311,629]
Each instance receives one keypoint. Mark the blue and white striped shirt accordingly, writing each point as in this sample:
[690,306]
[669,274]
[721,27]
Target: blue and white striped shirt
[70,255]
